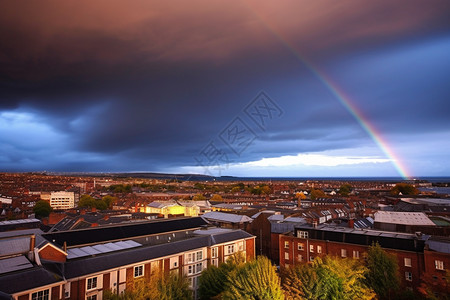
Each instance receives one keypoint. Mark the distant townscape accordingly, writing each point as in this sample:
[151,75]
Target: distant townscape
[118,237]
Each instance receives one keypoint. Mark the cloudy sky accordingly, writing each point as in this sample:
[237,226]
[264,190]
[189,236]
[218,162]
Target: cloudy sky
[245,88]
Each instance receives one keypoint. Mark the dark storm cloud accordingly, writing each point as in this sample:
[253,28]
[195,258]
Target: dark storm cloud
[146,85]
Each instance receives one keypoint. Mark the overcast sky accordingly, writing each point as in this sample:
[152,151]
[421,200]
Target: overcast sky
[239,88]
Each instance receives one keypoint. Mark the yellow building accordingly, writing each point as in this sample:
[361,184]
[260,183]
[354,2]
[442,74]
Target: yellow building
[171,208]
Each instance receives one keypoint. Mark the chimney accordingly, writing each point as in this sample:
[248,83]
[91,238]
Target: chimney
[314,223]
[65,246]
[32,242]
[351,223]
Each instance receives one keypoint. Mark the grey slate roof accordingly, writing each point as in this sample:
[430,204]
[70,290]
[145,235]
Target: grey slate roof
[93,264]
[27,279]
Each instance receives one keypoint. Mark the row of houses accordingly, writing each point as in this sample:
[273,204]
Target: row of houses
[418,255]
[82,264]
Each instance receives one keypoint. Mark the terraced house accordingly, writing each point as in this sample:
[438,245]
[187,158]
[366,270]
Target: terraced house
[82,264]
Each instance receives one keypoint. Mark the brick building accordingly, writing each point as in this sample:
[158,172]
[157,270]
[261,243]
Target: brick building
[82,264]
[416,254]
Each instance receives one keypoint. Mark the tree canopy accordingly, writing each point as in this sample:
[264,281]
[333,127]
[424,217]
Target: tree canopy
[160,287]
[345,189]
[100,204]
[316,193]
[42,209]
[382,275]
[404,189]
[257,279]
[327,278]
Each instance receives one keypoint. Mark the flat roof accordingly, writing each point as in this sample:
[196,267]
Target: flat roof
[122,231]
[404,218]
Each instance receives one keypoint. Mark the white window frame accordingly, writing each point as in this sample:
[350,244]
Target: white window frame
[319,249]
[230,249]
[92,280]
[439,264]
[92,297]
[343,252]
[45,295]
[199,268]
[355,254]
[286,255]
[311,248]
[199,255]
[408,276]
[214,252]
[286,244]
[407,261]
[302,234]
[140,271]
[301,246]
[300,257]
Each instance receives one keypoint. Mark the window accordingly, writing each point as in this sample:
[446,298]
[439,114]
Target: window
[41,295]
[215,262]
[199,255]
[139,271]
[311,258]
[311,248]
[319,249]
[355,254]
[190,257]
[198,267]
[286,244]
[408,276]
[67,290]
[230,249]
[439,264]
[191,269]
[343,253]
[241,246]
[214,252]
[93,297]
[302,234]
[300,246]
[300,257]
[407,262]
[91,283]
[286,255]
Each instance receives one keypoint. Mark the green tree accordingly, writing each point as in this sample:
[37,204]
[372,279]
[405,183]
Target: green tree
[256,279]
[42,209]
[215,280]
[316,193]
[172,286]
[404,189]
[301,282]
[327,278]
[382,276]
[90,202]
[86,201]
[345,189]
[160,287]
[109,200]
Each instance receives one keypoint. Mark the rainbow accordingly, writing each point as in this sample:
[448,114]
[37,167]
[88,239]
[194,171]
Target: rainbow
[344,99]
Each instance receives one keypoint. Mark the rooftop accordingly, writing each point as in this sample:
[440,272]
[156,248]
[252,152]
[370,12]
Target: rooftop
[122,231]
[404,218]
